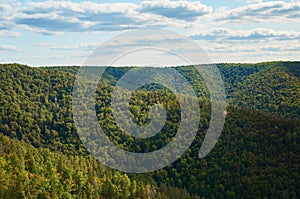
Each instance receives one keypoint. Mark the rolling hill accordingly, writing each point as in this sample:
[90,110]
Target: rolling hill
[257,156]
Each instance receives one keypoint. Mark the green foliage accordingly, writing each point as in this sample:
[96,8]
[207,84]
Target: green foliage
[257,155]
[268,87]
[27,172]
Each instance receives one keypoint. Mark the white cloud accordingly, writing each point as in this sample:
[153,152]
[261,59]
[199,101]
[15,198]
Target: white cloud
[64,16]
[259,47]
[50,17]
[252,34]
[182,10]
[279,11]
[6,11]
[253,1]
[252,51]
[9,33]
[53,17]
[137,40]
[11,48]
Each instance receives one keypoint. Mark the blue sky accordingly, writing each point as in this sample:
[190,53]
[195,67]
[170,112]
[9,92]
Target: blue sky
[66,32]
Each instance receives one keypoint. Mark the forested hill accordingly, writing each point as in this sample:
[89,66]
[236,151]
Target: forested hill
[268,86]
[272,87]
[257,156]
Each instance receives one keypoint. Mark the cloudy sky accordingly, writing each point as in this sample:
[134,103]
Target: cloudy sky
[66,32]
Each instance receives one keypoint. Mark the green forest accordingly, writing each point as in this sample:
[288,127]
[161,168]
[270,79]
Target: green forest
[257,155]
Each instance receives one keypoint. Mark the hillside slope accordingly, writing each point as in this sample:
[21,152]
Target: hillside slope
[257,156]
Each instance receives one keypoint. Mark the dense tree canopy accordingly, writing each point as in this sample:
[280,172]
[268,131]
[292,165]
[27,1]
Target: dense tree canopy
[257,156]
